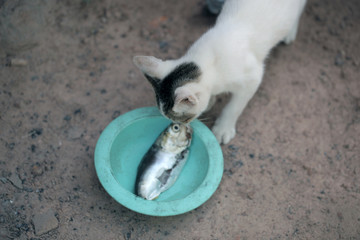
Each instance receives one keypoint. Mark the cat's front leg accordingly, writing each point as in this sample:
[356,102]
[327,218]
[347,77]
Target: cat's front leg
[290,37]
[225,125]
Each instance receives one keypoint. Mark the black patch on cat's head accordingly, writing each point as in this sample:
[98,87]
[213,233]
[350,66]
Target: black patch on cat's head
[165,89]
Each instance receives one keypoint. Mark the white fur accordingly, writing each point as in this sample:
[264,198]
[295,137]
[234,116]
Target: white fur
[231,56]
[198,98]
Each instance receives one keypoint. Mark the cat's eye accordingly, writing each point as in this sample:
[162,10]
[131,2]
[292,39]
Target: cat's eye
[176,127]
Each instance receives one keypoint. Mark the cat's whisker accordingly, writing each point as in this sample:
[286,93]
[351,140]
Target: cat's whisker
[206,117]
[206,120]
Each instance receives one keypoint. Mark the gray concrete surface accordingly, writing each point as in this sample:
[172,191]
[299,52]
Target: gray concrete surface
[292,172]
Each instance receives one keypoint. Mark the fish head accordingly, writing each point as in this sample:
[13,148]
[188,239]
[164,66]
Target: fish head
[178,136]
[181,133]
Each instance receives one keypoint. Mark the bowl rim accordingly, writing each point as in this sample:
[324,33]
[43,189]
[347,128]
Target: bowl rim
[155,208]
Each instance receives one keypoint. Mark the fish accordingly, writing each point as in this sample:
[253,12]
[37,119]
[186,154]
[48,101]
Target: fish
[163,162]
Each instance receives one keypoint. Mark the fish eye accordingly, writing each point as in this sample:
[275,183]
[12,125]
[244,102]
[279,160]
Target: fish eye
[176,127]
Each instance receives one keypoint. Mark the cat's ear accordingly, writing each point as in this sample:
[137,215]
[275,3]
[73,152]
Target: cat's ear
[184,99]
[150,66]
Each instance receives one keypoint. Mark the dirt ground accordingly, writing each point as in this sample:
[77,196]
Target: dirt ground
[292,172]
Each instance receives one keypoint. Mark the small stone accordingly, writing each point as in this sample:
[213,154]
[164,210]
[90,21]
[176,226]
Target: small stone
[233,148]
[340,216]
[77,111]
[67,118]
[15,180]
[317,18]
[163,45]
[115,114]
[75,132]
[3,180]
[33,148]
[22,226]
[339,60]
[37,170]
[33,78]
[18,62]
[45,222]
[35,132]
[28,189]
[11,146]
[250,195]
[238,164]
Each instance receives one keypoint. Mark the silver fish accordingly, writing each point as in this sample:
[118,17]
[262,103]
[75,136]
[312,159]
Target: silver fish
[163,162]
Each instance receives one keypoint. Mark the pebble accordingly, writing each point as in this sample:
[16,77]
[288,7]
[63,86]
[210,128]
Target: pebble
[18,62]
[75,132]
[115,114]
[163,45]
[35,132]
[11,146]
[3,180]
[339,60]
[233,147]
[45,222]
[15,180]
[67,118]
[238,164]
[33,78]
[37,170]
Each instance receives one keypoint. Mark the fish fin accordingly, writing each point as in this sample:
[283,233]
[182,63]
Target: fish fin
[184,153]
[163,178]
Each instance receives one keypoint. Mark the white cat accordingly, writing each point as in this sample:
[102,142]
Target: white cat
[227,58]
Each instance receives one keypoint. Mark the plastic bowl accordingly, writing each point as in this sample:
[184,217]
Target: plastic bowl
[125,141]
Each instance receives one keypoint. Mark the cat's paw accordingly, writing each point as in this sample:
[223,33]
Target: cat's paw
[223,133]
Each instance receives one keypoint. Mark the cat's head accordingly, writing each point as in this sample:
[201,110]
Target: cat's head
[177,87]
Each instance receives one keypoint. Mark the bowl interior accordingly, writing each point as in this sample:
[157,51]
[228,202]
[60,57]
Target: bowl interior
[125,141]
[131,144]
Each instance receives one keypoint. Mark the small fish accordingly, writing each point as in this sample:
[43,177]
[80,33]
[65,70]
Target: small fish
[163,162]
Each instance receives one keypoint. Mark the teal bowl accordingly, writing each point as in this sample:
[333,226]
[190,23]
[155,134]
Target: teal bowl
[125,141]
